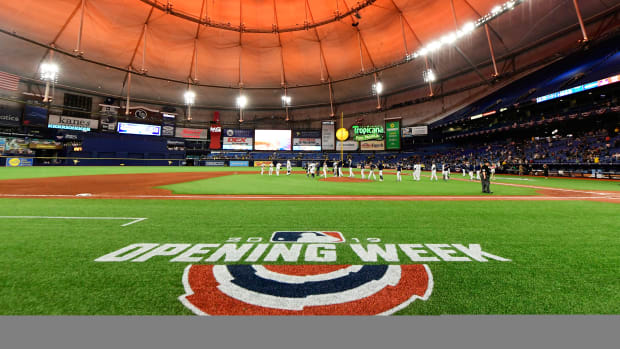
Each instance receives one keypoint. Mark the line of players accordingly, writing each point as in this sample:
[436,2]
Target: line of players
[311,170]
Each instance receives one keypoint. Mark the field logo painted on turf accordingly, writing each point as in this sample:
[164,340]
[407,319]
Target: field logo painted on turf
[260,276]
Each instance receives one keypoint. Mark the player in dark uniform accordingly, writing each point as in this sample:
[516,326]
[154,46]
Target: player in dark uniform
[546,171]
[399,169]
[380,171]
[485,177]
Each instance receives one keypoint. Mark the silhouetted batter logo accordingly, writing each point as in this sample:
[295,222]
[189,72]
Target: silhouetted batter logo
[308,236]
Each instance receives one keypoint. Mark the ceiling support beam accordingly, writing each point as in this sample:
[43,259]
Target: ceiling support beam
[282,72]
[460,52]
[359,42]
[135,50]
[361,39]
[128,91]
[402,29]
[331,99]
[78,46]
[241,54]
[490,27]
[486,29]
[583,28]
[193,66]
[430,82]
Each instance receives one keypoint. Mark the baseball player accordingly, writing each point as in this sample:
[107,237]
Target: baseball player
[418,172]
[312,169]
[463,168]
[493,171]
[262,169]
[372,171]
[325,168]
[362,165]
[471,172]
[278,166]
[399,169]
[340,163]
[478,172]
[380,171]
[351,168]
[271,168]
[288,167]
[434,171]
[335,165]
[444,172]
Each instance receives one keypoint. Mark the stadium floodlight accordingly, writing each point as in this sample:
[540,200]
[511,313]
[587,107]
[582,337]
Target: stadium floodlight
[49,72]
[429,75]
[496,10]
[242,101]
[449,39]
[377,88]
[468,28]
[189,97]
[510,5]
[286,100]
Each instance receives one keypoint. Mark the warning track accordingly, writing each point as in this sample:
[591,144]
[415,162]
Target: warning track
[143,186]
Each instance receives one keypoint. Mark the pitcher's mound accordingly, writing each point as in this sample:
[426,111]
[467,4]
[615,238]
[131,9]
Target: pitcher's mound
[345,179]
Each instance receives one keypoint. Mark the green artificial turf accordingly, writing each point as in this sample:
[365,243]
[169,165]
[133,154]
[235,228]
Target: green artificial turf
[565,255]
[299,184]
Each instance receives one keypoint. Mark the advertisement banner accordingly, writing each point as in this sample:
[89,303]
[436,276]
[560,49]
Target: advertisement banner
[35,116]
[392,134]
[372,145]
[366,133]
[260,163]
[2,145]
[234,163]
[306,133]
[71,123]
[216,134]
[307,144]
[10,115]
[272,140]
[17,162]
[194,133]
[237,143]
[109,115]
[138,129]
[231,132]
[167,131]
[328,135]
[347,146]
[215,163]
[415,131]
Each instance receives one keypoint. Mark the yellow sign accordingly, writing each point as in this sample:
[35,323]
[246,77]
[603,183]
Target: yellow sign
[14,162]
[342,134]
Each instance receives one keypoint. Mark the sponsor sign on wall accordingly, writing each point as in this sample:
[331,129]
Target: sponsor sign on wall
[235,163]
[17,162]
[139,129]
[365,133]
[348,146]
[306,133]
[372,145]
[392,134]
[237,143]
[216,134]
[215,163]
[194,133]
[307,144]
[238,139]
[415,131]
[35,116]
[261,163]
[141,114]
[167,131]
[109,116]
[71,123]
[328,135]
[10,115]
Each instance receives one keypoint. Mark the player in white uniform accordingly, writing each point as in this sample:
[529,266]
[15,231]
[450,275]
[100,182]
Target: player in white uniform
[372,171]
[325,169]
[278,166]
[444,172]
[362,165]
[271,168]
[312,169]
[493,172]
[288,167]
[335,165]
[471,172]
[340,164]
[262,169]
[434,172]
[478,172]
[418,172]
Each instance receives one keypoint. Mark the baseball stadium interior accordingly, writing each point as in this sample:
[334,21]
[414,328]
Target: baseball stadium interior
[227,147]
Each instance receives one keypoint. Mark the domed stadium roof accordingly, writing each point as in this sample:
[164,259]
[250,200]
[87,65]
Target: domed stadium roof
[264,45]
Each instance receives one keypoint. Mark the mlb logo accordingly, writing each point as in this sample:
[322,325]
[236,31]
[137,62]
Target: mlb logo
[308,236]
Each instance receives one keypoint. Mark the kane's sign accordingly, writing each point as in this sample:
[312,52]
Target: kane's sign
[248,276]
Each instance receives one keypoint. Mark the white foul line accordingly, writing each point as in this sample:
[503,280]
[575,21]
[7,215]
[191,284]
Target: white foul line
[133,219]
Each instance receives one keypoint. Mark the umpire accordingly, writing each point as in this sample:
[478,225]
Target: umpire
[485,177]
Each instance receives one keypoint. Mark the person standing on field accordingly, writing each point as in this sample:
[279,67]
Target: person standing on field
[278,166]
[372,171]
[271,168]
[262,169]
[362,165]
[399,169]
[288,167]
[485,177]
[380,171]
[351,168]
[546,171]
[340,164]
[325,168]
[434,171]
